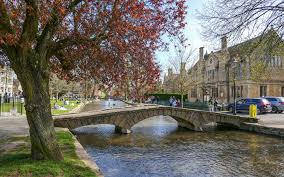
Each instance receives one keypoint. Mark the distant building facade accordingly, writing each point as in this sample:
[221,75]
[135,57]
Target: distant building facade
[6,80]
[214,74]
[171,83]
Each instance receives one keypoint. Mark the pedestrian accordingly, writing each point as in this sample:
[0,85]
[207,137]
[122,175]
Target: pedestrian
[215,104]
[210,105]
[171,101]
[178,103]
[174,104]
[153,99]
[157,99]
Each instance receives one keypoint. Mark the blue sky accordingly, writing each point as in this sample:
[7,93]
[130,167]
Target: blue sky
[192,32]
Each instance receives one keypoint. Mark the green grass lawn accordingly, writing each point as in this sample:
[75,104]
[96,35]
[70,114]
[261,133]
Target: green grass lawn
[17,162]
[72,105]
[8,107]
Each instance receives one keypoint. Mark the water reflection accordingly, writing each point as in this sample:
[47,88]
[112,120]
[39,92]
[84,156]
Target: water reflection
[157,147]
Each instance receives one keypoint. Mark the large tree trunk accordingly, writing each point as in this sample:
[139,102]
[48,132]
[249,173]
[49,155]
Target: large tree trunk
[35,83]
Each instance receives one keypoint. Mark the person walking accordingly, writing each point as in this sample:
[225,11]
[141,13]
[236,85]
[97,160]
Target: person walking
[171,101]
[215,105]
[178,103]
[210,105]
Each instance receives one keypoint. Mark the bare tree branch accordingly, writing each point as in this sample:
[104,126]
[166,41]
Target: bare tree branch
[241,19]
[30,26]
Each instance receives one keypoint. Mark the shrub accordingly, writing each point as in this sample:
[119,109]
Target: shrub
[166,96]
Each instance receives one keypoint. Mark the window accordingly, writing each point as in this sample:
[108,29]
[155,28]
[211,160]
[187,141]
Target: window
[274,61]
[215,92]
[193,93]
[282,91]
[263,90]
[239,91]
[255,101]
[242,101]
[271,99]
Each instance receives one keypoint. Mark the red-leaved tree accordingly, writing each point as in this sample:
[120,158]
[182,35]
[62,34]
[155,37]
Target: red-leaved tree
[143,76]
[75,38]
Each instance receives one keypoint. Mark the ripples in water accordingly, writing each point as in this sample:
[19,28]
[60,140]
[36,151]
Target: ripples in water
[157,147]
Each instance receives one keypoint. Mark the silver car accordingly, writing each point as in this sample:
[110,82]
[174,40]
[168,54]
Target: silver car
[277,103]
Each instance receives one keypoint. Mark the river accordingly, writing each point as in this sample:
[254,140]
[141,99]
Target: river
[157,147]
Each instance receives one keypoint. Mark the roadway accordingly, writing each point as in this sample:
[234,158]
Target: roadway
[269,119]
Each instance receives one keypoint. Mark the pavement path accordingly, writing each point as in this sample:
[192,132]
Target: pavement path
[271,120]
[13,126]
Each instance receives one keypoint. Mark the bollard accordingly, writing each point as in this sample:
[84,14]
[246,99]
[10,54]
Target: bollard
[13,102]
[21,108]
[22,103]
[252,111]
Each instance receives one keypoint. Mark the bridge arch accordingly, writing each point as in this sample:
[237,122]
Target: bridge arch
[126,118]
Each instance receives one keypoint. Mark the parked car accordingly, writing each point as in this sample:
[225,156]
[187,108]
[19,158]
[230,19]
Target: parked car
[277,103]
[242,105]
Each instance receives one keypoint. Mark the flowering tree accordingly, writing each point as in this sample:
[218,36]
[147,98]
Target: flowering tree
[143,76]
[73,38]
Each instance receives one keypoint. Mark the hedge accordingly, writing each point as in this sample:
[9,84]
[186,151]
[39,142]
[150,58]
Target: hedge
[166,96]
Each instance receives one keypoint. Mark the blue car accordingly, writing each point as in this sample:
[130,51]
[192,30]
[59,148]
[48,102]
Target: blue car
[263,105]
[277,103]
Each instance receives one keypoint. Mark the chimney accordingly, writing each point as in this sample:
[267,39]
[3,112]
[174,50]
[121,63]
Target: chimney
[224,43]
[170,72]
[201,53]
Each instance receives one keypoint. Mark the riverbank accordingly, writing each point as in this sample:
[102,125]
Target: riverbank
[16,161]
[268,124]
[15,152]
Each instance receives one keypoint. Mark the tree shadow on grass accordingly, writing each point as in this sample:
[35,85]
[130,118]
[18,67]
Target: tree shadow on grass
[18,162]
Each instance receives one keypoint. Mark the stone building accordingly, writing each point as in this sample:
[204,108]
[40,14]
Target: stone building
[256,66]
[17,88]
[171,82]
[6,80]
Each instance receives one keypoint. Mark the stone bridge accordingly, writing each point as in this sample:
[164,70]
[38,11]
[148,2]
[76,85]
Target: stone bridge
[125,118]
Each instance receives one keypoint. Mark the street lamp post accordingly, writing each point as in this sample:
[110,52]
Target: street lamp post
[235,101]
[235,62]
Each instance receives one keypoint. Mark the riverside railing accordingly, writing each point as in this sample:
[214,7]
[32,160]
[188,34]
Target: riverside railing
[186,104]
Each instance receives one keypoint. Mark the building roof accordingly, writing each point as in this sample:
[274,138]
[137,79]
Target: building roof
[271,40]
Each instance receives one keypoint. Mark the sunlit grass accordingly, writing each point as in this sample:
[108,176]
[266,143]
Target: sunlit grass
[9,107]
[17,162]
[71,106]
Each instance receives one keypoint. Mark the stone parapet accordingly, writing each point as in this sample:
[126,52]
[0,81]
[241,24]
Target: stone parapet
[125,118]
